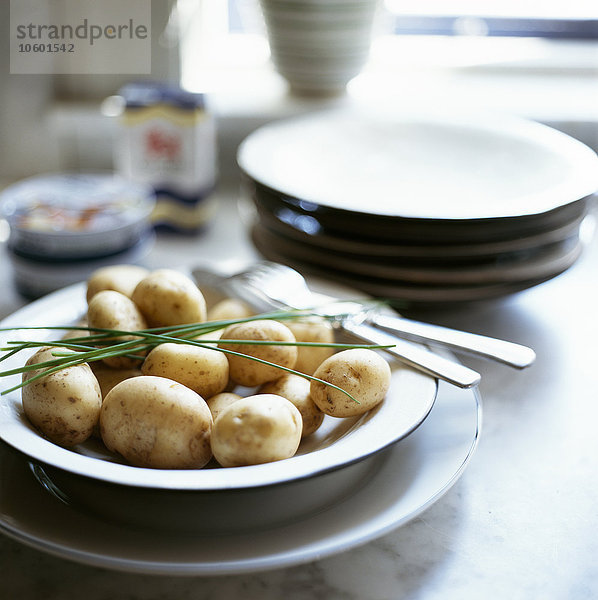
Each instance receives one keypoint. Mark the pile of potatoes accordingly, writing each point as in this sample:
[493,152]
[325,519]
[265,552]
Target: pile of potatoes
[180,406]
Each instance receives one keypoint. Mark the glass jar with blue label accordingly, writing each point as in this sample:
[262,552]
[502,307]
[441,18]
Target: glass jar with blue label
[167,139]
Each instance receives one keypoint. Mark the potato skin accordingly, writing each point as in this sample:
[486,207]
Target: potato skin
[167,297]
[311,329]
[75,333]
[108,377]
[203,370]
[296,389]
[219,402]
[229,308]
[257,429]
[112,310]
[120,278]
[64,406]
[158,423]
[361,372]
[248,372]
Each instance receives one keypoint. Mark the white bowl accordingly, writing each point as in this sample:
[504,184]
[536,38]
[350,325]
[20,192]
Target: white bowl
[305,39]
[330,68]
[318,50]
[331,463]
[320,19]
[303,33]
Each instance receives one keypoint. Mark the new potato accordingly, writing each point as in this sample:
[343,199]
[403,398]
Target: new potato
[361,372]
[156,422]
[112,310]
[107,378]
[120,278]
[311,329]
[229,308]
[248,372]
[220,401]
[257,429]
[76,333]
[64,405]
[167,297]
[203,370]
[296,389]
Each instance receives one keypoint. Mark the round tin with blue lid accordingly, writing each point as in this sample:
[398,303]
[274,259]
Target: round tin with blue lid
[76,216]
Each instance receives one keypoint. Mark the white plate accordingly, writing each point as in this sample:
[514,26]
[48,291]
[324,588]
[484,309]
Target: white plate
[421,166]
[410,477]
[336,444]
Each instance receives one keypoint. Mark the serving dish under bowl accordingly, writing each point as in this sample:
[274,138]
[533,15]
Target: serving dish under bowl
[330,464]
[408,478]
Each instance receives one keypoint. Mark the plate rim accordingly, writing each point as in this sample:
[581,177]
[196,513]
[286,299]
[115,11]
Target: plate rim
[520,266]
[584,182]
[457,251]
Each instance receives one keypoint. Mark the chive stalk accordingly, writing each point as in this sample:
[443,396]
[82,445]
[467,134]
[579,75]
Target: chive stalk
[101,343]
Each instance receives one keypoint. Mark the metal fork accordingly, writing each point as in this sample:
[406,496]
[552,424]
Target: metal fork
[277,285]
[270,286]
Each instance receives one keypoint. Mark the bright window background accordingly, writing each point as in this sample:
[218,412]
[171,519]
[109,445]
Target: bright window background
[541,9]
[222,41]
[559,19]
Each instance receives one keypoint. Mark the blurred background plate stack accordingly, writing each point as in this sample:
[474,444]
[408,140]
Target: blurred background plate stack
[421,209]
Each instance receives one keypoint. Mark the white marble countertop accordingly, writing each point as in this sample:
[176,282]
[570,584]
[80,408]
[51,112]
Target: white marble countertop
[521,522]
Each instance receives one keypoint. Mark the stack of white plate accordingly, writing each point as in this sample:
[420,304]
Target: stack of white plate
[420,209]
[318,46]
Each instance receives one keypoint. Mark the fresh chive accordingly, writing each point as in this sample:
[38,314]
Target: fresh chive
[104,343]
